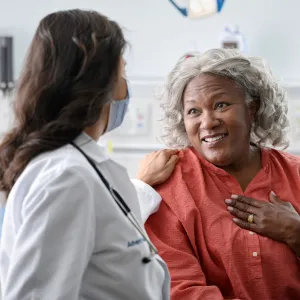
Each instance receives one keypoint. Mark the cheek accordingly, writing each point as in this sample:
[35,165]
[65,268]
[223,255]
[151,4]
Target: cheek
[191,127]
[239,122]
[105,114]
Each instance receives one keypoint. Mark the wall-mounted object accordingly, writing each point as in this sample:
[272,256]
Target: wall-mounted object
[196,9]
[231,37]
[137,121]
[6,64]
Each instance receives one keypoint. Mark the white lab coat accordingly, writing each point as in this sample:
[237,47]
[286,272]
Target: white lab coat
[65,238]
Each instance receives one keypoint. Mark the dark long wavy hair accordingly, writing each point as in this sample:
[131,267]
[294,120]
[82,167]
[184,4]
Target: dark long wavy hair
[68,77]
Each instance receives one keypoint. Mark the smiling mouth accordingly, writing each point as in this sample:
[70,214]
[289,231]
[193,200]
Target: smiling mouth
[214,139]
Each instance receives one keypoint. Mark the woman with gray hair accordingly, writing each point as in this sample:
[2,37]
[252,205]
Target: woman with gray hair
[228,226]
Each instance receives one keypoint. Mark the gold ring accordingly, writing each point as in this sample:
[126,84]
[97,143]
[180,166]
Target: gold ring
[250,219]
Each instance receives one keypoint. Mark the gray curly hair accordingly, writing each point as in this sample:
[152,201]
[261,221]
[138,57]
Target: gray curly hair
[250,73]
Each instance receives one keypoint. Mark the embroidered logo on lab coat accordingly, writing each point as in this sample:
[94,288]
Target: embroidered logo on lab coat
[136,242]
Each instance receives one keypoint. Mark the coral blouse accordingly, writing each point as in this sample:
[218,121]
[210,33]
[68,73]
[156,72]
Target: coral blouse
[208,255]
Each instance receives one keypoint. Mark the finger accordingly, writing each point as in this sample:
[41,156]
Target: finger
[242,213]
[237,213]
[170,152]
[273,198]
[246,225]
[151,154]
[244,207]
[246,200]
[172,161]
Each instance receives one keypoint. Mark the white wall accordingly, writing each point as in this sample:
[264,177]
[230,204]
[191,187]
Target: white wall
[159,35]
[5,114]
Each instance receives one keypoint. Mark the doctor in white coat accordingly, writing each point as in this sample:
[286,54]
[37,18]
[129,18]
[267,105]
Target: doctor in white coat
[73,226]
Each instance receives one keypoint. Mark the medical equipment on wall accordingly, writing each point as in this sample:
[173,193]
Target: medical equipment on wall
[231,37]
[196,9]
[137,121]
[6,64]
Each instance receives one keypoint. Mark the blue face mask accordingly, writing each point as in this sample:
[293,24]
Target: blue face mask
[117,112]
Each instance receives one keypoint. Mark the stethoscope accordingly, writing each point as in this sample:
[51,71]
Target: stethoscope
[123,206]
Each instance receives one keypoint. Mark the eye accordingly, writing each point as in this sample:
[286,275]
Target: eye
[193,111]
[221,105]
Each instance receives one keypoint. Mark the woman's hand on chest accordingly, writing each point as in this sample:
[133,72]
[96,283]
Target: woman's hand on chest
[277,219]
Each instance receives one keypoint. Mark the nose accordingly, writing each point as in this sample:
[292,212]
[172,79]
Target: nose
[208,120]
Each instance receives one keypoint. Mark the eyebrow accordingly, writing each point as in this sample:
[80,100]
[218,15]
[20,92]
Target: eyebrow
[192,100]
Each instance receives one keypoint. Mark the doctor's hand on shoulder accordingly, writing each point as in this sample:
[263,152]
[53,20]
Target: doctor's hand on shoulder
[157,167]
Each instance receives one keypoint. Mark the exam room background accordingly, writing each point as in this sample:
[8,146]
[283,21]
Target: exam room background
[158,36]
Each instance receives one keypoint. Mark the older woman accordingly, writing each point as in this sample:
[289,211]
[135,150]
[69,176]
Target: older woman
[228,226]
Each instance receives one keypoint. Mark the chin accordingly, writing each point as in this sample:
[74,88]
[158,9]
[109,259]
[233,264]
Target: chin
[220,164]
[219,160]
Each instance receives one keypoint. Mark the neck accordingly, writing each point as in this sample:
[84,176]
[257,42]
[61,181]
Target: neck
[95,131]
[98,129]
[250,157]
[245,169]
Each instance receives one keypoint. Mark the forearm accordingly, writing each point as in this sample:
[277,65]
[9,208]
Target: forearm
[149,199]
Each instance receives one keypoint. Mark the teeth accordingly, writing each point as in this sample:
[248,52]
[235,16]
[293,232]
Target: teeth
[215,138]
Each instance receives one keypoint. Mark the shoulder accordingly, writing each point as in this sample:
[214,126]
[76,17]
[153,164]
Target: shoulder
[283,163]
[56,183]
[64,165]
[62,159]
[175,190]
[283,157]
[188,162]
